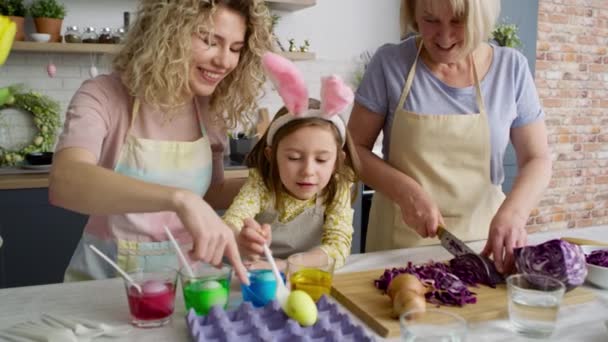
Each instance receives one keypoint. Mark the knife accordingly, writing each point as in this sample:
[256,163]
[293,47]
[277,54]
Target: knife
[453,244]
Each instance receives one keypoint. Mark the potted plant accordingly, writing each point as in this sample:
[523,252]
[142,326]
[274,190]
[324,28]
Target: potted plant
[506,35]
[48,16]
[16,11]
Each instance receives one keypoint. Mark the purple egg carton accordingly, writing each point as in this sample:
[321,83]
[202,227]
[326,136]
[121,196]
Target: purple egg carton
[247,323]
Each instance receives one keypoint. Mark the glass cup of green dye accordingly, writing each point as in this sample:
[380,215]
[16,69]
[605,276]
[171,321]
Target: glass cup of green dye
[210,286]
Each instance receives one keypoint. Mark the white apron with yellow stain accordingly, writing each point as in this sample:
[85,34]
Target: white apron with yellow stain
[137,240]
[449,156]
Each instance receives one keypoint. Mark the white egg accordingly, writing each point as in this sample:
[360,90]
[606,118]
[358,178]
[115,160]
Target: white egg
[210,285]
[154,286]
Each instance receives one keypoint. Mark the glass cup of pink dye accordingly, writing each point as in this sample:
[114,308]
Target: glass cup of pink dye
[154,306]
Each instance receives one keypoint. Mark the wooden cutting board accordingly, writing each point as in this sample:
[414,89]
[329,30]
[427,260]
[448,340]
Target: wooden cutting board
[357,293]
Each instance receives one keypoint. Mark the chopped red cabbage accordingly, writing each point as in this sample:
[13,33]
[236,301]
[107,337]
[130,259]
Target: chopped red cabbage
[475,269]
[555,258]
[445,287]
[599,258]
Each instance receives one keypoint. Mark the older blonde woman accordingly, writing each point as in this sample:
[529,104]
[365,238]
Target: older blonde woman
[448,103]
[142,146]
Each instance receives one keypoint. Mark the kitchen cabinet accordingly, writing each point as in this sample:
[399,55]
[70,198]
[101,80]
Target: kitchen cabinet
[39,239]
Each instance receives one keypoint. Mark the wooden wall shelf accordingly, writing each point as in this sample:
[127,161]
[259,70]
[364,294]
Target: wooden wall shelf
[65,47]
[290,5]
[111,49]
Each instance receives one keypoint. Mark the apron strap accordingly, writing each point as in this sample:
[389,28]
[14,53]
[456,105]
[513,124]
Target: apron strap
[319,204]
[197,112]
[480,104]
[410,79]
[134,112]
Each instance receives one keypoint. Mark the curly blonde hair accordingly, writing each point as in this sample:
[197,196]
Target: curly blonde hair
[156,59]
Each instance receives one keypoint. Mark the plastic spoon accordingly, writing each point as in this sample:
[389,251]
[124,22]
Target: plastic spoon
[181,256]
[108,330]
[282,291]
[118,269]
[79,330]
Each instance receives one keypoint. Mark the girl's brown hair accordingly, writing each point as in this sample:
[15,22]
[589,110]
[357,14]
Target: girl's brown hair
[155,61]
[346,170]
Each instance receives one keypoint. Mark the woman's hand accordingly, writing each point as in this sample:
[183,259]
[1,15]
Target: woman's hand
[252,237]
[212,238]
[507,231]
[420,212]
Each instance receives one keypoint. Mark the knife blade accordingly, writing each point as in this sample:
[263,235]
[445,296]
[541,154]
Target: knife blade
[453,244]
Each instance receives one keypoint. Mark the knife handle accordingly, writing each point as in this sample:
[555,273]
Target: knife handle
[580,242]
[440,231]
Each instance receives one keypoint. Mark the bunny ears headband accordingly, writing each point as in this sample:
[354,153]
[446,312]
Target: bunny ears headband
[335,95]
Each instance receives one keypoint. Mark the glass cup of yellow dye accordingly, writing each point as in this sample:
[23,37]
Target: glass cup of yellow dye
[210,286]
[311,274]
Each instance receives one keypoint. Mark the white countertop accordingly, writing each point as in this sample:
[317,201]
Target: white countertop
[105,300]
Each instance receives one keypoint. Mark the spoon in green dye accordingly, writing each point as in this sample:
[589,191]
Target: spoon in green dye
[178,250]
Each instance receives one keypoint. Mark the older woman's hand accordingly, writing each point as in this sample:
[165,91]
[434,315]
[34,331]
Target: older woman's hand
[507,231]
[421,213]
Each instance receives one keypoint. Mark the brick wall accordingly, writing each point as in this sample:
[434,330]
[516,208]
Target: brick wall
[572,80]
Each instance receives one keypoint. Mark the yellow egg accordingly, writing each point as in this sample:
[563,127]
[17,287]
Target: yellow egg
[301,308]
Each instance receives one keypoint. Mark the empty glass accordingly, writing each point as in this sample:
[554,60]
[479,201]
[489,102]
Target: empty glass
[534,302]
[432,325]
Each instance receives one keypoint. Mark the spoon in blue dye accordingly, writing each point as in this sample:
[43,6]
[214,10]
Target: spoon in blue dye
[282,291]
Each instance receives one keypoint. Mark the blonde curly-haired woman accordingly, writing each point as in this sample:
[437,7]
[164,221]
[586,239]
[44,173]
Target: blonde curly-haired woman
[143,145]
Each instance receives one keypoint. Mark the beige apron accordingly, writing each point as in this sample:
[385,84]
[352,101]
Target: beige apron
[298,235]
[138,240]
[449,156]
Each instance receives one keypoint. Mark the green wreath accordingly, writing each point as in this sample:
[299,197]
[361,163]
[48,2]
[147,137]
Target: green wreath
[46,119]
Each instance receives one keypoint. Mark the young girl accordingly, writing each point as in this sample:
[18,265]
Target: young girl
[298,194]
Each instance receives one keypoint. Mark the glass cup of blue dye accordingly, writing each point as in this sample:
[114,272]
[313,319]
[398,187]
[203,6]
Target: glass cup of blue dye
[262,287]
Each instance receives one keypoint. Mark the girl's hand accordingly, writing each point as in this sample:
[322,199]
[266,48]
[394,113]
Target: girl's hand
[212,238]
[252,237]
[421,213]
[507,231]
